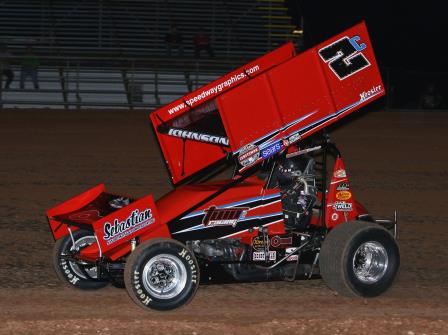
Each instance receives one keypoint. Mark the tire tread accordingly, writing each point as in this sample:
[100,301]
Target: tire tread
[334,249]
[132,258]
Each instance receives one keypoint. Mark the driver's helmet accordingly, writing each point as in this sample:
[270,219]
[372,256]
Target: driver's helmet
[294,167]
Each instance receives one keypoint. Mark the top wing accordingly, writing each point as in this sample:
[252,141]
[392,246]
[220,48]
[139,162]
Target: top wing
[288,99]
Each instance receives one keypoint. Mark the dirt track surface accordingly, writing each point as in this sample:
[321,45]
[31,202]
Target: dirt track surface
[395,161]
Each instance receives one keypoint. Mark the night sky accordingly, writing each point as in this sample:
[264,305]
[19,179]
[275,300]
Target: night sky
[405,34]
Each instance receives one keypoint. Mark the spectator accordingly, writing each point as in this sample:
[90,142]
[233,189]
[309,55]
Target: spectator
[173,40]
[30,64]
[5,65]
[202,42]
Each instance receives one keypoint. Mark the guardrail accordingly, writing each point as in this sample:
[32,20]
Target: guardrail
[112,82]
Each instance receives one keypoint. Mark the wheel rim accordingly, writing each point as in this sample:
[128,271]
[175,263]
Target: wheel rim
[370,262]
[79,244]
[164,276]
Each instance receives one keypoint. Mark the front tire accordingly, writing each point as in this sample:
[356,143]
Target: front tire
[161,274]
[359,259]
[71,273]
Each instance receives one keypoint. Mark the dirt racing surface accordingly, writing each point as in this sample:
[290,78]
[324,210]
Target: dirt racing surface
[395,161]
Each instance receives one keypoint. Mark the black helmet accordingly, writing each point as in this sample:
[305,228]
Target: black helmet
[297,165]
[294,167]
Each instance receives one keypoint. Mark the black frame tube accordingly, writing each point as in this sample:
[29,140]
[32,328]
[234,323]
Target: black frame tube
[328,146]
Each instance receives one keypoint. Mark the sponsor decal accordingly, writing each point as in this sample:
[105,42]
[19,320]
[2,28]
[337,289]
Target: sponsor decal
[342,187]
[193,135]
[340,174]
[261,256]
[342,206]
[258,243]
[214,90]
[334,216]
[293,138]
[139,289]
[277,241]
[69,274]
[292,257]
[249,155]
[272,149]
[185,254]
[373,91]
[135,221]
[223,216]
[343,195]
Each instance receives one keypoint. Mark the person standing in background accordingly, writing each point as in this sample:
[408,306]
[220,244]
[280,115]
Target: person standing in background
[173,40]
[202,42]
[5,65]
[30,65]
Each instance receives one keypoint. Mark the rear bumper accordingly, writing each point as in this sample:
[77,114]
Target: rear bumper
[60,229]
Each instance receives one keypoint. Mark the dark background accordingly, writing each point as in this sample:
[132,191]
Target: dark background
[408,38]
[405,34]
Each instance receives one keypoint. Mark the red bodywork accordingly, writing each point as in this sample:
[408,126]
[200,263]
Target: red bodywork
[259,109]
[252,190]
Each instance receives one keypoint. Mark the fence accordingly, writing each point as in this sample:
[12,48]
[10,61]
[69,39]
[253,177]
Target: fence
[114,82]
[138,28]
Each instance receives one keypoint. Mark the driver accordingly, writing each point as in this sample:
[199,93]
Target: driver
[296,180]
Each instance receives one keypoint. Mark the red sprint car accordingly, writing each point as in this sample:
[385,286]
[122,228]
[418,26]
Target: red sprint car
[288,210]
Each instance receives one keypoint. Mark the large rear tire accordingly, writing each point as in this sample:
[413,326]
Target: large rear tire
[161,274]
[71,273]
[359,259]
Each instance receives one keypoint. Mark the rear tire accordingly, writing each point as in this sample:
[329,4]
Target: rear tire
[161,274]
[359,259]
[71,273]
